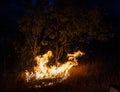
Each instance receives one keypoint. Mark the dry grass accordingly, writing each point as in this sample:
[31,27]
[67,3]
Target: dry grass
[94,77]
[87,77]
[90,77]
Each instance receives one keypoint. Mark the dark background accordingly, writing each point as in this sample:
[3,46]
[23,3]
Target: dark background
[11,10]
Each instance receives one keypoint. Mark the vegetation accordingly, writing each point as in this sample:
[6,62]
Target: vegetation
[87,77]
[60,29]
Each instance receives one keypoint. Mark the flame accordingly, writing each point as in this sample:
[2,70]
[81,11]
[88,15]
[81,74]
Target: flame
[48,75]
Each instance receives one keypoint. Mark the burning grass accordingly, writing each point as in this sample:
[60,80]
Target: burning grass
[44,75]
[86,77]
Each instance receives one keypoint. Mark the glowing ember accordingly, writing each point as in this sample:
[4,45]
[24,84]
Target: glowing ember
[44,75]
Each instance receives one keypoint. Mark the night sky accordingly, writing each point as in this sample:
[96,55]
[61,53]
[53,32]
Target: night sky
[13,9]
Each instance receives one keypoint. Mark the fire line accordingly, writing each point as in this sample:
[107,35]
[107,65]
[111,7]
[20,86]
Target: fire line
[44,75]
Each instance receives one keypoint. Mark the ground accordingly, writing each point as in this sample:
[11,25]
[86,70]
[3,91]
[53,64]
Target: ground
[86,77]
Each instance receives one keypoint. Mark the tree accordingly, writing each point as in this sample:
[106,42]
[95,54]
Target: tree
[69,29]
[61,29]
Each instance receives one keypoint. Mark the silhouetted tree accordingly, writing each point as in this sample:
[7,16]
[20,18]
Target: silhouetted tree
[61,29]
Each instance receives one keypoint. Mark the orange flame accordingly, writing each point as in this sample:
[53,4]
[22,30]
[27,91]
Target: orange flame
[48,75]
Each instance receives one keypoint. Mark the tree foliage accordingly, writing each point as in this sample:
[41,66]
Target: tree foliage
[61,29]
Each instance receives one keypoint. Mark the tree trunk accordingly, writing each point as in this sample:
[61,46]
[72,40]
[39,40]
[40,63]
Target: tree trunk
[56,54]
[59,53]
[35,48]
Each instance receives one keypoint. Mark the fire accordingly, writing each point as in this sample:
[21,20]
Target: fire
[44,75]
